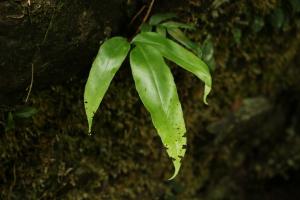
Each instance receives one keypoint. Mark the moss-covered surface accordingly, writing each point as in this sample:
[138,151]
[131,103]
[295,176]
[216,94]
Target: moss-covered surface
[51,156]
[57,37]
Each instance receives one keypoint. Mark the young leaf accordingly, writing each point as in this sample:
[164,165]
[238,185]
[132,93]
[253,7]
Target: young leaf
[156,88]
[157,19]
[178,35]
[109,59]
[179,55]
[171,24]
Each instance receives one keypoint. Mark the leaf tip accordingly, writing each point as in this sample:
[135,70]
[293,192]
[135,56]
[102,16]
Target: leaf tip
[207,90]
[177,165]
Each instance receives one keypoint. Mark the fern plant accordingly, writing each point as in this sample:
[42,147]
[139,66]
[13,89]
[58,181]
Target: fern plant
[153,79]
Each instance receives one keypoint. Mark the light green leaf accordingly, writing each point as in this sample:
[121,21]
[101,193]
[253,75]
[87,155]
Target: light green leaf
[171,24]
[157,90]
[178,35]
[161,30]
[179,55]
[158,18]
[109,59]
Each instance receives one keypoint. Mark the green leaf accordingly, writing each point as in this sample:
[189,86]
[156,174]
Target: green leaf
[156,88]
[161,30]
[179,55]
[208,53]
[146,27]
[178,35]
[158,18]
[237,35]
[10,124]
[171,24]
[277,18]
[258,24]
[109,59]
[26,112]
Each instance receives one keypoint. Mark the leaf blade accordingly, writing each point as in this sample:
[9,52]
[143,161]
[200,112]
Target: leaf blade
[158,18]
[26,112]
[157,90]
[179,36]
[161,30]
[172,24]
[178,55]
[107,62]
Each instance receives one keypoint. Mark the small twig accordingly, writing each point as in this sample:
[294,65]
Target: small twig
[136,15]
[31,83]
[148,11]
[146,16]
[48,28]
[28,10]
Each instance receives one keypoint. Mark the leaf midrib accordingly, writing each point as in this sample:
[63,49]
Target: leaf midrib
[156,83]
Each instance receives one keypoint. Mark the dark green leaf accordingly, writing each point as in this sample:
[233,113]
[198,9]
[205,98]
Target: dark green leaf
[237,35]
[258,24]
[277,18]
[171,24]
[178,35]
[26,112]
[146,27]
[156,88]
[207,50]
[179,55]
[296,5]
[109,59]
[208,53]
[10,122]
[158,18]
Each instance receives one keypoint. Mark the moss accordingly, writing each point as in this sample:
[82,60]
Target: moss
[265,6]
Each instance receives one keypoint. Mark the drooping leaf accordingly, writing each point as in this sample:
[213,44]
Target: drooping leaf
[178,35]
[171,24]
[109,59]
[156,88]
[161,30]
[158,18]
[26,112]
[179,55]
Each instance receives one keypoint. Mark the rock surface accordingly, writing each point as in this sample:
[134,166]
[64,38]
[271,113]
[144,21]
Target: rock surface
[56,39]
